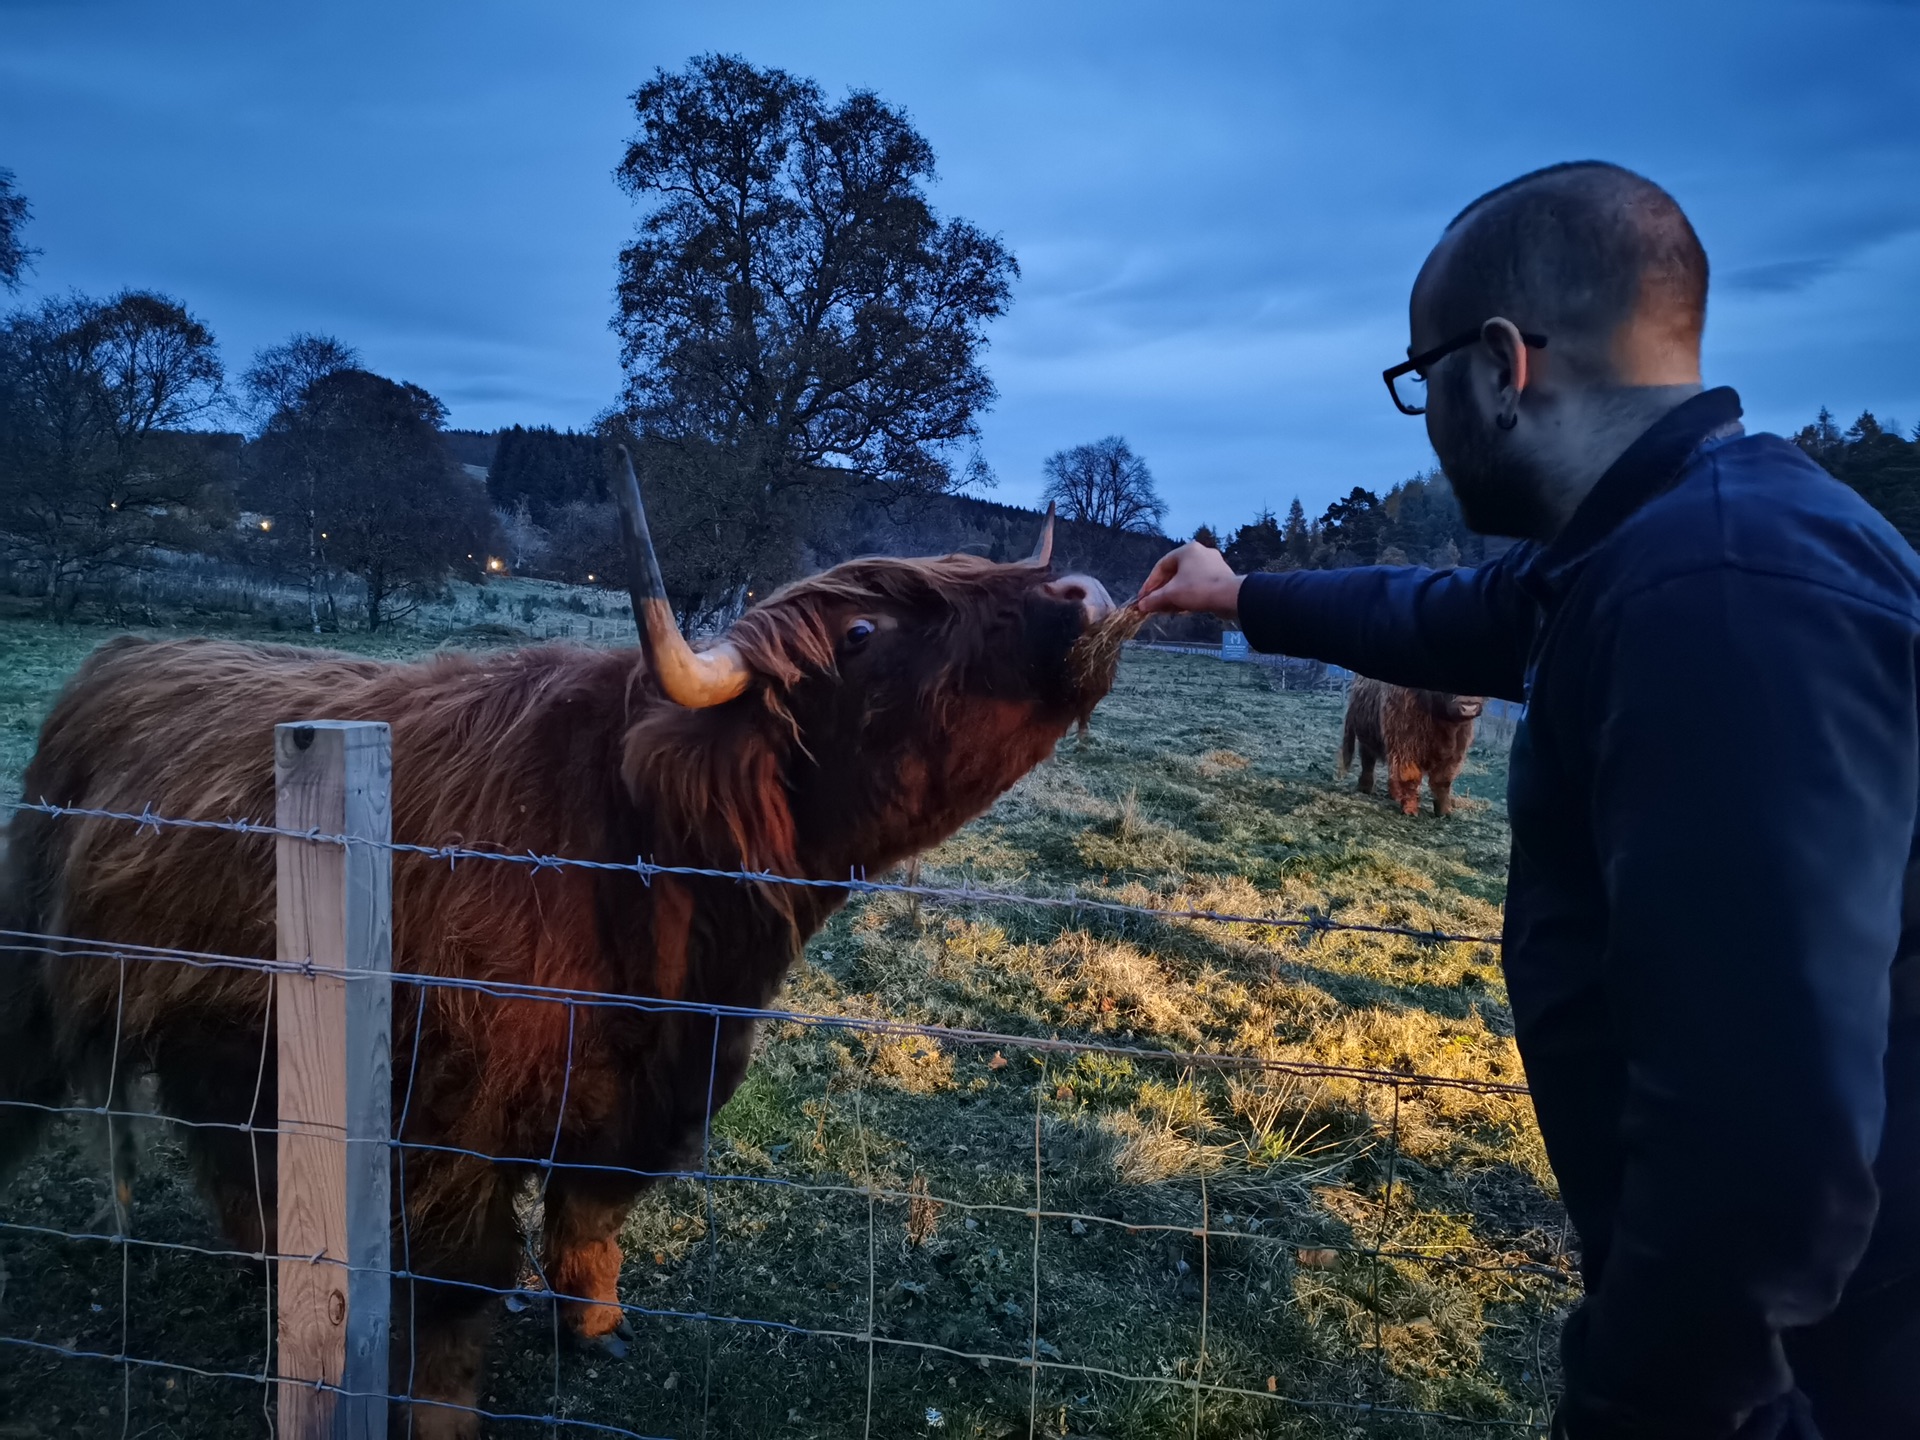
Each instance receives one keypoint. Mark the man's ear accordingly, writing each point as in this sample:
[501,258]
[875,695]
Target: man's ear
[1509,354]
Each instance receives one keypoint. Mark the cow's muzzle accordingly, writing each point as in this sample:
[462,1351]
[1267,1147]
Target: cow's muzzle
[1095,603]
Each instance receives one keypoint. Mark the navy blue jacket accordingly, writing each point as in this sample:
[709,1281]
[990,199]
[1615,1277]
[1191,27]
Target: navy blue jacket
[1712,914]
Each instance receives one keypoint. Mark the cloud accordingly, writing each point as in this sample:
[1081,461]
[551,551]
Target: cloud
[1782,277]
[1218,209]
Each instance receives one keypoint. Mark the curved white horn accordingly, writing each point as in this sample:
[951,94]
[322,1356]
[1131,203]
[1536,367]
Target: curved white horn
[1043,551]
[689,677]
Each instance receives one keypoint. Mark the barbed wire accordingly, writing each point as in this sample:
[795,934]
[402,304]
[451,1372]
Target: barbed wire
[646,870]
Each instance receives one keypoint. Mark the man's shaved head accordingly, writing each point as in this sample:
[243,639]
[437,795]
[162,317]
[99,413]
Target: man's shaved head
[1574,251]
[1603,264]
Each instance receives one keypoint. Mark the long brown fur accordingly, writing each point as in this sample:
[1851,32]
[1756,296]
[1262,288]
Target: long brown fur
[836,761]
[1416,732]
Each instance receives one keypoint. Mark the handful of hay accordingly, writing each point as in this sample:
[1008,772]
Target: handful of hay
[1096,654]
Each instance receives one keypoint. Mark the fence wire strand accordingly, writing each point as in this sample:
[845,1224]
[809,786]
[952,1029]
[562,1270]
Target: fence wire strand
[1206,1287]
[58,946]
[270,1278]
[647,870]
[253,1133]
[1033,1329]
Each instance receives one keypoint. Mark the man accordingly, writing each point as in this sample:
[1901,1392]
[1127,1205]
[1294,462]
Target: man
[1712,910]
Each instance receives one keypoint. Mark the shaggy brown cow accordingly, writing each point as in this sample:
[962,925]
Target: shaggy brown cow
[850,721]
[1416,731]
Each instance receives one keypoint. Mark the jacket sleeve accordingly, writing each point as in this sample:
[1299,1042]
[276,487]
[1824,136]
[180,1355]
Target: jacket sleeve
[1464,631]
[1756,768]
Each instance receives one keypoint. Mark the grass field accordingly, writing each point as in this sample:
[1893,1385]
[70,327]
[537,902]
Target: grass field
[1197,785]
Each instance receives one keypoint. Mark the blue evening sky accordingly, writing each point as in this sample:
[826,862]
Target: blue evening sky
[1217,208]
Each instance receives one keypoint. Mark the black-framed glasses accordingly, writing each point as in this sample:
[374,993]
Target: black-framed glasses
[1407,381]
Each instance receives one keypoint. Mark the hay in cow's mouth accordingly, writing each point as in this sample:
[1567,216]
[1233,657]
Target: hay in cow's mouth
[1096,654]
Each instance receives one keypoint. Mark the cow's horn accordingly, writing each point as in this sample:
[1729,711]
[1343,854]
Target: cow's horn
[689,677]
[1043,551]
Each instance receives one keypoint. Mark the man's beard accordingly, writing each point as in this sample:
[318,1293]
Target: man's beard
[1496,488]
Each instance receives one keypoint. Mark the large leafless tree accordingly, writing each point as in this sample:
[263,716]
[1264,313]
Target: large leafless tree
[791,308]
[1104,483]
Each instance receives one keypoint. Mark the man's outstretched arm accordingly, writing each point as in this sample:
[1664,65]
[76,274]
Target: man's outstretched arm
[1465,631]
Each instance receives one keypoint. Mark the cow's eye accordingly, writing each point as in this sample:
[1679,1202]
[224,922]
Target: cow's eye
[859,632]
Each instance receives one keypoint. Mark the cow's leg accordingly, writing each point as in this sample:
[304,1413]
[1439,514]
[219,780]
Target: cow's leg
[461,1247]
[216,1090]
[33,1068]
[32,1072]
[584,1213]
[104,1081]
[1442,795]
[1367,760]
[1403,783]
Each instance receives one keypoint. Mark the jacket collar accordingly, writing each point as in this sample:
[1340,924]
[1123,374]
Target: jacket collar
[1646,469]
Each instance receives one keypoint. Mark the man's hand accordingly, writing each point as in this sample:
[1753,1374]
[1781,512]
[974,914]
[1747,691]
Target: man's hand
[1195,577]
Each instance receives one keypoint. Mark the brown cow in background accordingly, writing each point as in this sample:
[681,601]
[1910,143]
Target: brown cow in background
[1416,732]
[846,723]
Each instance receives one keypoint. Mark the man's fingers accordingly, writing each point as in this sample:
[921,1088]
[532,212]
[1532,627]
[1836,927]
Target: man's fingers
[1172,596]
[1163,571]
[1192,578]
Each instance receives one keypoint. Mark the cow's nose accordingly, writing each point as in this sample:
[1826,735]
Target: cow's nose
[1091,594]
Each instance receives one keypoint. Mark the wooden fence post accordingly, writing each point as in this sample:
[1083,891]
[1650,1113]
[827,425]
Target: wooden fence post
[335,918]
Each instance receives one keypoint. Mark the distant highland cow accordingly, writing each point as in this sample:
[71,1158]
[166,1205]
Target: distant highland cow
[1416,731]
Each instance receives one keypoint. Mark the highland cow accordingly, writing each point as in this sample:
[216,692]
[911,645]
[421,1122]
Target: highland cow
[846,723]
[1416,732]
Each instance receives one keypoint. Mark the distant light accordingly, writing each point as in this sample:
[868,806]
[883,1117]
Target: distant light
[323,535]
[266,524]
[589,577]
[113,504]
[494,562]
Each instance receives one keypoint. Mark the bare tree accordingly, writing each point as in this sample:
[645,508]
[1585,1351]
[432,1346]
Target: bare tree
[720,530]
[394,508]
[1104,483]
[793,314]
[527,543]
[276,383]
[94,396]
[15,255]
[280,374]
[584,543]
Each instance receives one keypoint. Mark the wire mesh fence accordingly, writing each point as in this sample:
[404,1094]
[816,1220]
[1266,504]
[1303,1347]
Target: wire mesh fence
[1092,1258]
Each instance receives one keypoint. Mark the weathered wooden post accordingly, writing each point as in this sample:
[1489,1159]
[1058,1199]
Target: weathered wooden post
[335,916]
